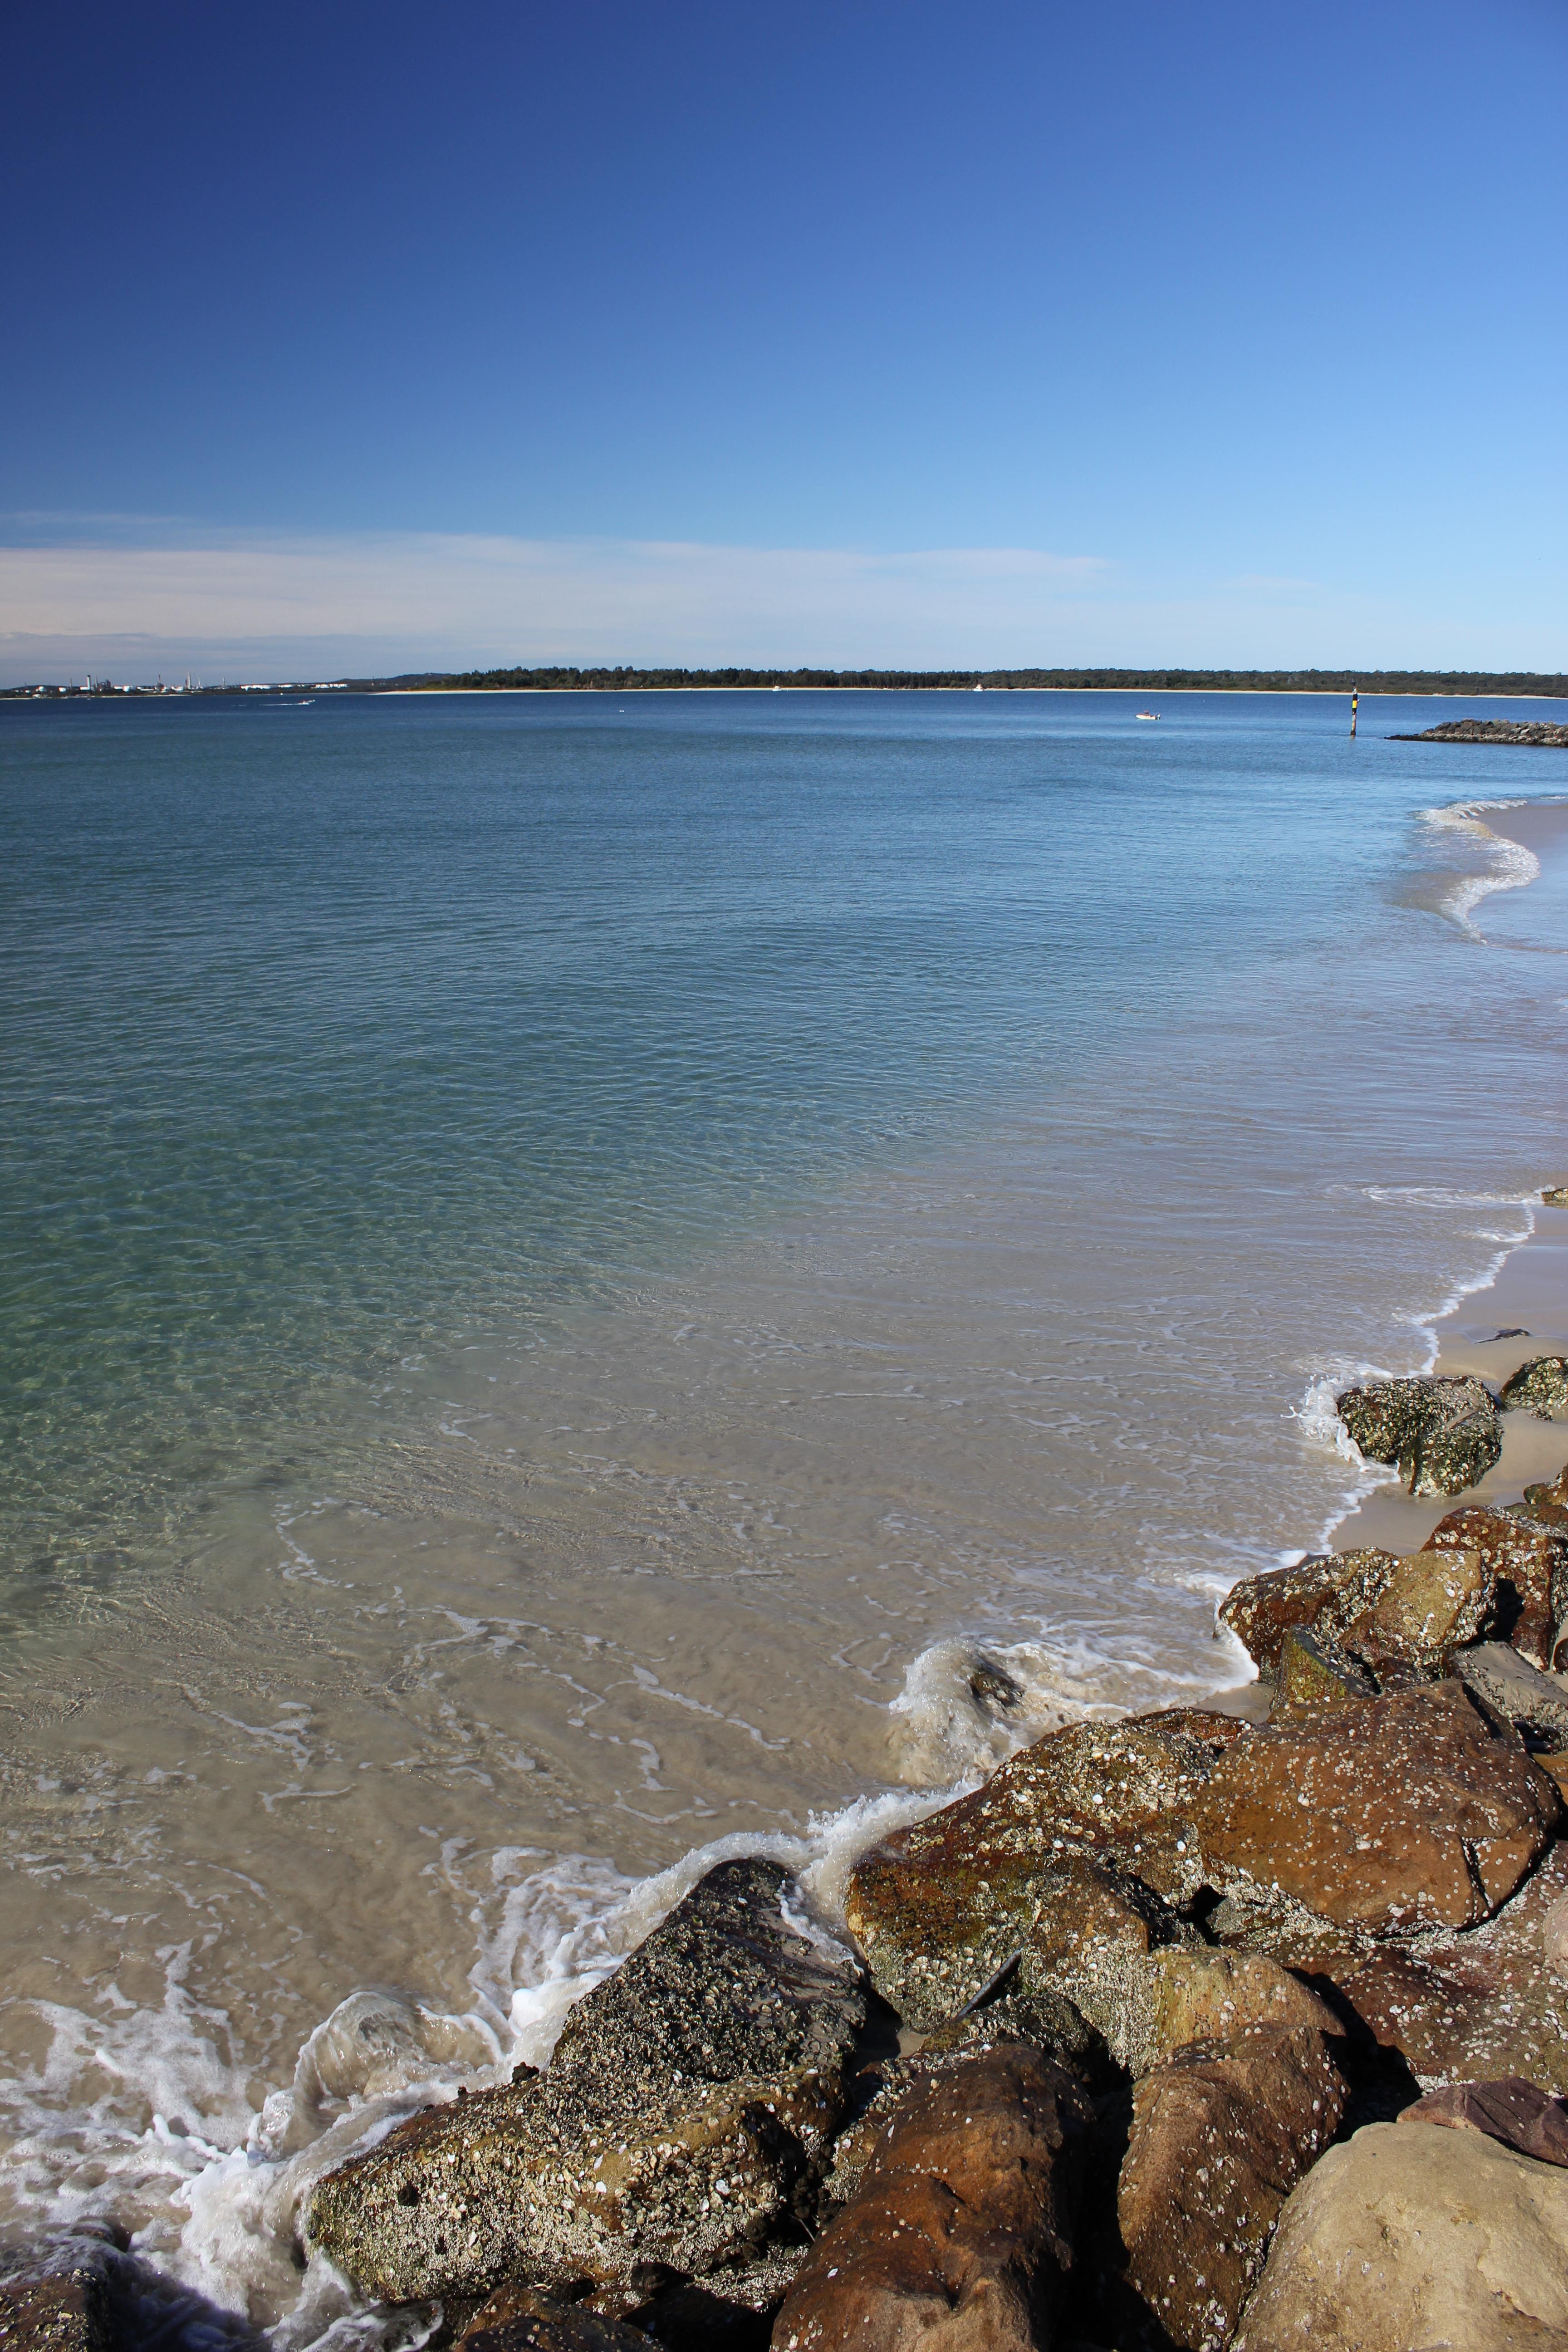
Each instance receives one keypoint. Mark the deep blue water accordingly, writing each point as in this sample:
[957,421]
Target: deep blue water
[336,1032]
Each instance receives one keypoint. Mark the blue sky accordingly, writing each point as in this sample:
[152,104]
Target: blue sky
[355,336]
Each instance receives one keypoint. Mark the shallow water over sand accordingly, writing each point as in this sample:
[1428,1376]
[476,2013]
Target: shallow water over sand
[600,1377]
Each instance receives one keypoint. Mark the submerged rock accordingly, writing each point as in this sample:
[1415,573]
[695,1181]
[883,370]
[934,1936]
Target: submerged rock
[960,2236]
[683,2123]
[1221,2133]
[1414,2236]
[1529,1564]
[1398,1814]
[940,1909]
[1539,1387]
[1443,1432]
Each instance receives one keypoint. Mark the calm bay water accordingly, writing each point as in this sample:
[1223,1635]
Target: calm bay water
[564,1263]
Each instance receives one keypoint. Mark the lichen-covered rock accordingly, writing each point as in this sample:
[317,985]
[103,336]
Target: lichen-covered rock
[1509,1687]
[1402,1812]
[1221,2133]
[1409,2236]
[1520,2113]
[1262,1609]
[1539,1387]
[1529,1564]
[1431,1604]
[1207,1996]
[940,1908]
[960,2237]
[1092,1943]
[1312,1672]
[685,2119]
[1443,1432]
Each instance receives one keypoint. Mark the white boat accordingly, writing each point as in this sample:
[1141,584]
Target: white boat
[1148,714]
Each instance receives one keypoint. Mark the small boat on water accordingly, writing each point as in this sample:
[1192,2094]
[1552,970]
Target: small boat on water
[1148,714]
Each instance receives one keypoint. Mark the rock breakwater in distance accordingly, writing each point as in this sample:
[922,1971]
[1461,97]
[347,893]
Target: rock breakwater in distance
[1491,730]
[1180,2032]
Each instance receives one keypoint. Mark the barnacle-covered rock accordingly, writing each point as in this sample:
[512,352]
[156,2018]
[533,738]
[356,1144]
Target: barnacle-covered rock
[683,2123]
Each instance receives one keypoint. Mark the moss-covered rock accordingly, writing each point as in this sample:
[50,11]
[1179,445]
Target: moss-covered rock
[1312,1672]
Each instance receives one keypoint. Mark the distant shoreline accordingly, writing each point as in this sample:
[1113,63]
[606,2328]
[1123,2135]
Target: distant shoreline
[1470,685]
[1320,693]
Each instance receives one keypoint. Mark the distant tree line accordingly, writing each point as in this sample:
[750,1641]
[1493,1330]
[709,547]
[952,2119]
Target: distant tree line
[626,680]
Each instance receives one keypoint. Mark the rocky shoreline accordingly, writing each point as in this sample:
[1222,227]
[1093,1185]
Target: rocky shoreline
[1181,2031]
[1491,730]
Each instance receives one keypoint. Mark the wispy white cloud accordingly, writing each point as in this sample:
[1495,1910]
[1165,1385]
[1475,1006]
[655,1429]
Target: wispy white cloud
[132,597]
[395,600]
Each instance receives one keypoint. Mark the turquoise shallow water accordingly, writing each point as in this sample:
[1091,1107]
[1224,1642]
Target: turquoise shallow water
[563,1265]
[339,1031]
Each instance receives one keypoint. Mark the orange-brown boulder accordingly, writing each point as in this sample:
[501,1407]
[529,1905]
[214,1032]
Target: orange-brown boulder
[1221,2133]
[1431,1604]
[1207,1996]
[960,2237]
[940,1907]
[1393,1814]
[1528,1563]
[1480,2005]
[1261,1610]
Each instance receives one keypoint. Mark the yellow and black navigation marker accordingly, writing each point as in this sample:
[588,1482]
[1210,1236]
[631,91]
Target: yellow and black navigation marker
[1355,698]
